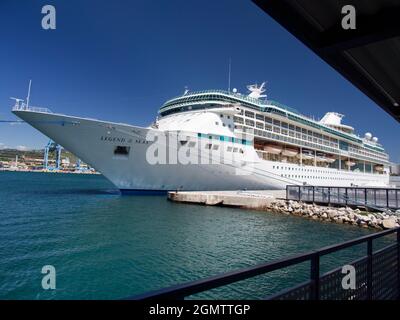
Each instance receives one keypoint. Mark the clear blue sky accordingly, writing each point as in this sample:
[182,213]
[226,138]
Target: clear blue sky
[120,60]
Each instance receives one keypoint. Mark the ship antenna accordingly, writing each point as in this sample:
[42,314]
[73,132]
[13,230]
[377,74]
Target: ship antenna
[229,75]
[29,94]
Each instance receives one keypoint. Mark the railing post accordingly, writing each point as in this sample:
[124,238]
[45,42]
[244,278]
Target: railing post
[355,195]
[313,194]
[287,192]
[346,195]
[299,193]
[329,196]
[387,198]
[369,269]
[315,277]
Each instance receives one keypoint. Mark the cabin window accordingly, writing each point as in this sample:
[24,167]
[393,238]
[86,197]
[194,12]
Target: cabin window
[229,149]
[269,120]
[260,125]
[238,120]
[208,146]
[259,117]
[250,123]
[192,144]
[249,114]
[121,151]
[215,147]
[235,149]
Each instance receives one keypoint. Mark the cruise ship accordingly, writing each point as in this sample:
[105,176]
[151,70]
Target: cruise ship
[219,140]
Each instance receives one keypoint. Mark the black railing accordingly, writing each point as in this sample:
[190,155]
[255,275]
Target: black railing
[375,198]
[377,275]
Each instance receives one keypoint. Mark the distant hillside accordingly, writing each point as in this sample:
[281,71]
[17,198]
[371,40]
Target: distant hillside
[9,154]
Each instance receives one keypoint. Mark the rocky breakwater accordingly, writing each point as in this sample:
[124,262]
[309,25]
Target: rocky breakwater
[379,220]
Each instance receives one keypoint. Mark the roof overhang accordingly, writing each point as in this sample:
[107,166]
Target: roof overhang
[368,56]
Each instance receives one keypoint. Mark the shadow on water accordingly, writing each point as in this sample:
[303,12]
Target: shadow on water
[76,192]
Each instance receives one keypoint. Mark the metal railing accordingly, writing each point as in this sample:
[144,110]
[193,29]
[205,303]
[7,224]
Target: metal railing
[378,275]
[375,198]
[22,106]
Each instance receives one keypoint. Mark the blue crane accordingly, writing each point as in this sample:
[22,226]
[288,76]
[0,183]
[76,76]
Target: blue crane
[51,147]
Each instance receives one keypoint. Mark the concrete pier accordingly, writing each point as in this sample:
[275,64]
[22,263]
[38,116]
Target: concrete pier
[275,201]
[254,199]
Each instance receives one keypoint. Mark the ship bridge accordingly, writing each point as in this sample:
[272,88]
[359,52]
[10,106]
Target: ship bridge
[197,100]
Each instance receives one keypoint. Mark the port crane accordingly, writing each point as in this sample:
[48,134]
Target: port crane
[51,147]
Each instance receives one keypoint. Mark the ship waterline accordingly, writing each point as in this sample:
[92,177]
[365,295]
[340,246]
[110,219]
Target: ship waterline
[227,145]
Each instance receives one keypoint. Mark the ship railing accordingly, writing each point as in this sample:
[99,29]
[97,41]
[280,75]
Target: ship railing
[378,199]
[244,97]
[377,274]
[22,106]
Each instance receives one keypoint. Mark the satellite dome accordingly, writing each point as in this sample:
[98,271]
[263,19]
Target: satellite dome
[375,139]
[234,90]
[368,136]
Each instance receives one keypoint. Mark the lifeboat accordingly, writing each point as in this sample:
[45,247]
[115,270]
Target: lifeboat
[350,163]
[330,159]
[289,152]
[273,149]
[307,154]
[321,157]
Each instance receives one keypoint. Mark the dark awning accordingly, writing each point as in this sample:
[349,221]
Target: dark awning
[368,56]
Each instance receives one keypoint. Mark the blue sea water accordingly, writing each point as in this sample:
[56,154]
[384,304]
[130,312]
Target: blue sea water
[104,245]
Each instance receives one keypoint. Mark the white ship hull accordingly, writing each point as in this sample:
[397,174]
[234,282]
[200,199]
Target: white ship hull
[94,142]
